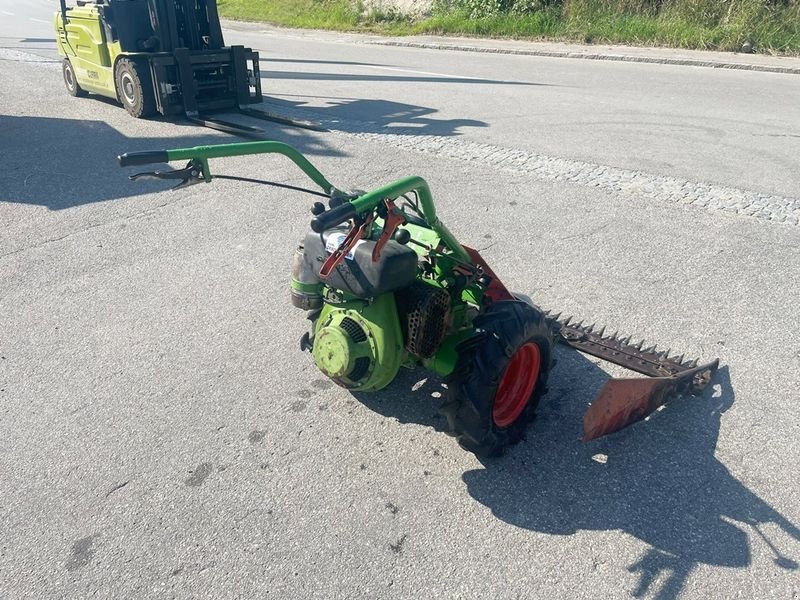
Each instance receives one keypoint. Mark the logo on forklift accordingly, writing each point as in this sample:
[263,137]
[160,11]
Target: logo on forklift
[92,74]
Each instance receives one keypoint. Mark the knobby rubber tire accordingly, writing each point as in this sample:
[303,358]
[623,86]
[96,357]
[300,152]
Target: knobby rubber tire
[71,80]
[142,101]
[472,386]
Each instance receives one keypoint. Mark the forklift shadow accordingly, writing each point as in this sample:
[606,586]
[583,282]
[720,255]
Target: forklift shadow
[415,77]
[62,163]
[356,115]
[658,481]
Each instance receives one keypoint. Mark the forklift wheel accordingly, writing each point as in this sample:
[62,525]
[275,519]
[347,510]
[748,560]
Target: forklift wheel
[135,87]
[71,81]
[500,375]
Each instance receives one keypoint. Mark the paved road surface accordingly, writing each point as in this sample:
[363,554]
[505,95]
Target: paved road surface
[162,435]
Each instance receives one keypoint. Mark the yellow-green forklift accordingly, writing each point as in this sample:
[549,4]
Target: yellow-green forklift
[160,56]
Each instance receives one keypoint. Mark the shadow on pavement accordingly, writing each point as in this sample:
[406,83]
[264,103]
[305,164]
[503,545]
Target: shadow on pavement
[371,116]
[304,76]
[314,61]
[61,163]
[403,75]
[658,481]
[361,115]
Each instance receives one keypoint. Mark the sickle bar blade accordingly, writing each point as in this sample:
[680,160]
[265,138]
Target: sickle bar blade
[623,402]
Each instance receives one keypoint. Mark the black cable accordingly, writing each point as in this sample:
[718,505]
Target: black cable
[273,183]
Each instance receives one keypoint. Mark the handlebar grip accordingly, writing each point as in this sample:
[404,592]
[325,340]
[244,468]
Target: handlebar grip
[332,218]
[130,159]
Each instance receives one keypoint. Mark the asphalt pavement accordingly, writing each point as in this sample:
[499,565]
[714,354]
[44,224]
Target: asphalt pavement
[162,434]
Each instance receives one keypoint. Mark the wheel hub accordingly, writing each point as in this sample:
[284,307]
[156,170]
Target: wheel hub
[69,78]
[517,385]
[127,88]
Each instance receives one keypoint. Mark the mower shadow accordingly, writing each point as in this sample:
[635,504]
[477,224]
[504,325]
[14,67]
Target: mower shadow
[425,390]
[81,164]
[659,481]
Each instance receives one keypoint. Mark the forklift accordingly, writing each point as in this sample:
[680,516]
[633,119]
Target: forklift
[161,56]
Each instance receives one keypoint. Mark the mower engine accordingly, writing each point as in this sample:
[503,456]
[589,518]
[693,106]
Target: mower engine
[368,317]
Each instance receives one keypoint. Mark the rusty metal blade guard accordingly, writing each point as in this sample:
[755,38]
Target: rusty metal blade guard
[623,402]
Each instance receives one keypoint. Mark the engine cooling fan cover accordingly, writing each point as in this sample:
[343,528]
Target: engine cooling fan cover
[359,350]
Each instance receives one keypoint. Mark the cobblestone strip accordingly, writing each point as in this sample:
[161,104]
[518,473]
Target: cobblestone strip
[640,184]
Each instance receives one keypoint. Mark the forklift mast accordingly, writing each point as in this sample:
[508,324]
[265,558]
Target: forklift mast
[192,24]
[163,25]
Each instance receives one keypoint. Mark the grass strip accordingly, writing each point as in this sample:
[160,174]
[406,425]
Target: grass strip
[768,26]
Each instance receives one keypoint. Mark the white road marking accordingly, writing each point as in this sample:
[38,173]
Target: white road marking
[40,20]
[5,12]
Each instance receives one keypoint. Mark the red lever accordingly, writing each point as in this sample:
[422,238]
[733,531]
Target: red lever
[394,218]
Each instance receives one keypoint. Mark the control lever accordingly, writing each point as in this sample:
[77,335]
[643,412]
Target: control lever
[192,173]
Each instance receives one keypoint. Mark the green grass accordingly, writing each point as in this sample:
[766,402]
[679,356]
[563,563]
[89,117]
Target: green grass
[307,14]
[769,25]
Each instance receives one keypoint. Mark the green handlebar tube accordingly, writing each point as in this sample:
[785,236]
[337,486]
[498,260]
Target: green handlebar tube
[244,148]
[360,205]
[203,153]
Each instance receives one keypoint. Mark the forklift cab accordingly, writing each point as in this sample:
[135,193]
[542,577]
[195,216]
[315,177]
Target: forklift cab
[156,25]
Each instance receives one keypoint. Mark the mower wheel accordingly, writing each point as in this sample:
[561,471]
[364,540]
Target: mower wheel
[71,80]
[135,87]
[500,375]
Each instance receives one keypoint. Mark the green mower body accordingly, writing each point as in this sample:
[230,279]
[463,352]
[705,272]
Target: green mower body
[387,286]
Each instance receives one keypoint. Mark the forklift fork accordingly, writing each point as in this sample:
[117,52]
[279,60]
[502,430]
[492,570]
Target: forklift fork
[243,79]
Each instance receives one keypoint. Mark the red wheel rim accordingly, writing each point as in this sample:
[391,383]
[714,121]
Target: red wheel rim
[517,384]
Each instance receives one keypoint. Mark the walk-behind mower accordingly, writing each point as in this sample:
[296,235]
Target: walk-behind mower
[386,285]
[161,56]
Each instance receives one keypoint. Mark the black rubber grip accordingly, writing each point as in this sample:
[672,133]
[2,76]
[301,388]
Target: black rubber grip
[130,159]
[334,216]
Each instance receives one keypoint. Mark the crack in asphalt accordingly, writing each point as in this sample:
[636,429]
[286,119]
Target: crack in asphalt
[48,241]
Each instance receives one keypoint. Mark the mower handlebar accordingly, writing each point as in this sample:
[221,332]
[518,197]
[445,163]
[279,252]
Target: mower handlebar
[201,154]
[130,159]
[333,217]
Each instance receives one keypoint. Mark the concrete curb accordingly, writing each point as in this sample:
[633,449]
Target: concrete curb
[634,54]
[714,64]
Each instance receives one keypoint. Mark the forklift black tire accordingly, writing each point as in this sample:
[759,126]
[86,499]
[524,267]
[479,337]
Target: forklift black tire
[135,87]
[489,401]
[71,80]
